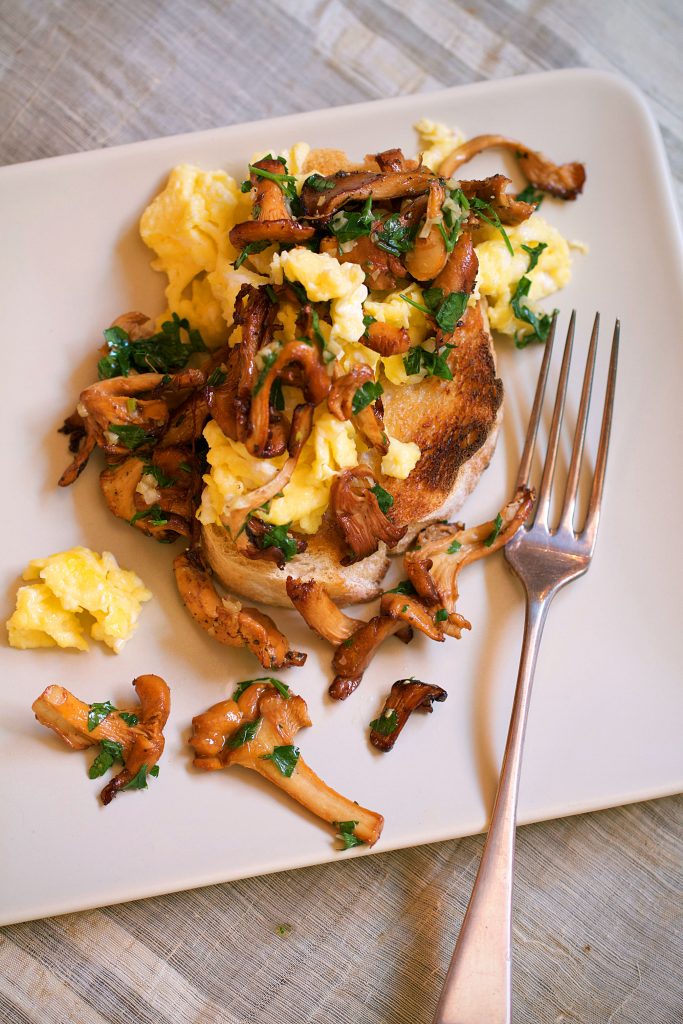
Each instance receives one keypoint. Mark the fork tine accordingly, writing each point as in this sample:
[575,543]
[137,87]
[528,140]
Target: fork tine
[532,429]
[590,530]
[569,505]
[543,503]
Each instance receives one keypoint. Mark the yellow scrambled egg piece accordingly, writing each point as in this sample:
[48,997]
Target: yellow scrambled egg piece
[435,141]
[330,449]
[499,272]
[71,593]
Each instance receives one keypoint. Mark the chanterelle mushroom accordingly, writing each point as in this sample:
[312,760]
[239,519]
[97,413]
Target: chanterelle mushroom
[226,620]
[406,696]
[134,737]
[257,730]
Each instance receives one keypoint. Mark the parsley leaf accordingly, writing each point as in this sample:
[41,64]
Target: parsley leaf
[384,499]
[98,712]
[348,226]
[154,771]
[368,320]
[130,436]
[287,182]
[267,360]
[531,195]
[317,333]
[162,479]
[139,780]
[128,717]
[346,834]
[446,311]
[404,587]
[365,395]
[277,399]
[454,546]
[110,752]
[318,183]
[251,247]
[245,734]
[441,615]
[284,758]
[386,723]
[153,513]
[394,235]
[166,350]
[279,537]
[540,325]
[492,218]
[217,377]
[435,364]
[281,687]
[497,526]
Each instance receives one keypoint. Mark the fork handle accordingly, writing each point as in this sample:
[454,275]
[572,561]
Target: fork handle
[478,987]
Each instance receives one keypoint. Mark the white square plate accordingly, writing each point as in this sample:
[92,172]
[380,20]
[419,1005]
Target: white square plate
[606,721]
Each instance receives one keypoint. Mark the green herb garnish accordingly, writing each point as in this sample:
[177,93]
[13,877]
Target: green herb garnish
[154,771]
[540,325]
[394,235]
[217,377]
[139,780]
[284,758]
[347,835]
[98,712]
[446,311]
[492,218]
[531,195]
[281,687]
[384,499]
[441,615]
[435,364]
[365,395]
[268,358]
[318,183]
[287,182]
[245,734]
[279,537]
[131,437]
[348,226]
[404,587]
[154,514]
[251,247]
[386,723]
[166,350]
[454,546]
[128,717]
[109,752]
[161,478]
[497,526]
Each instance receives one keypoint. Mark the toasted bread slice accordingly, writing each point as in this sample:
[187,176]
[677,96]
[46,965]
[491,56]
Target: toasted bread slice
[455,423]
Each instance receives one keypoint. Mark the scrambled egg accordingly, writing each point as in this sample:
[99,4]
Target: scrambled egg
[71,593]
[187,226]
[332,447]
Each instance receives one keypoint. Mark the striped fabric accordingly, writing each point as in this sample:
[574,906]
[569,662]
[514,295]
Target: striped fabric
[598,924]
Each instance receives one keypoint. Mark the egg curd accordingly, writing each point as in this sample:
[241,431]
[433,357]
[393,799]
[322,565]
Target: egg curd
[73,593]
[187,227]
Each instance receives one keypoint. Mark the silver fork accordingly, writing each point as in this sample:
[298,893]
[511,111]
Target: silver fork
[477,989]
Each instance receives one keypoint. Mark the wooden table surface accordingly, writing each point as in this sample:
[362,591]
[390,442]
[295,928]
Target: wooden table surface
[598,909]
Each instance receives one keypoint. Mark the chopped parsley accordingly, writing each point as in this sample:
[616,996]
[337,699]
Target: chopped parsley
[130,436]
[281,687]
[446,310]
[277,398]
[454,213]
[368,321]
[531,195]
[268,358]
[441,615]
[217,377]
[365,395]
[245,734]
[386,723]
[98,712]
[404,587]
[318,183]
[540,325]
[497,526]
[394,235]
[162,479]
[251,247]
[287,182]
[139,780]
[186,467]
[435,364]
[384,499]
[454,546]
[492,218]
[164,351]
[154,514]
[347,835]
[315,323]
[109,752]
[284,758]
[348,226]
[279,537]
[129,718]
